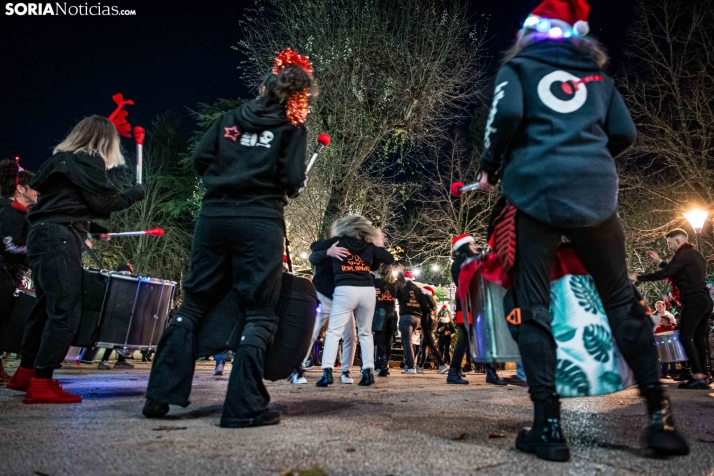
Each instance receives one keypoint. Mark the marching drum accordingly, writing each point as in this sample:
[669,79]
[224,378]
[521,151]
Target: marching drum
[669,348]
[118,311]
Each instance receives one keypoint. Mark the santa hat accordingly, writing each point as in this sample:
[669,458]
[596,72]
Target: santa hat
[285,259]
[429,290]
[408,275]
[560,18]
[461,240]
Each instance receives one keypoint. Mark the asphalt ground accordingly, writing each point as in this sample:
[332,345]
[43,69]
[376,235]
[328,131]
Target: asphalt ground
[403,425]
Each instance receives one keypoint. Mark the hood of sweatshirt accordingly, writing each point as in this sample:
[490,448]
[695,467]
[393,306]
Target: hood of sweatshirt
[559,54]
[356,246]
[260,114]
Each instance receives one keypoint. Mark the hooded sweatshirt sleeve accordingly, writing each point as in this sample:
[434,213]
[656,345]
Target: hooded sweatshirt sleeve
[206,148]
[620,127]
[291,164]
[503,120]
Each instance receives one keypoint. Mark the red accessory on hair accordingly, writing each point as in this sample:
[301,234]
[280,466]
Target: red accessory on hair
[443,308]
[569,11]
[430,290]
[118,117]
[285,259]
[408,275]
[461,240]
[19,169]
[297,104]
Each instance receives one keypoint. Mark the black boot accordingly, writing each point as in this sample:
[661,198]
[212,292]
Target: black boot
[493,378]
[367,378]
[155,409]
[545,438]
[660,435]
[326,378]
[455,377]
[384,372]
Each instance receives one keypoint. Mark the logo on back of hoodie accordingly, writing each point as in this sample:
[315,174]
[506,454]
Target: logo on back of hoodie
[564,92]
[354,264]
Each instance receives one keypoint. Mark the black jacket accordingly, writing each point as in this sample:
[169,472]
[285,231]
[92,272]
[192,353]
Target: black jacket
[323,278]
[251,160]
[556,123]
[458,261]
[13,238]
[363,257]
[687,270]
[445,327]
[74,188]
[387,294]
[414,302]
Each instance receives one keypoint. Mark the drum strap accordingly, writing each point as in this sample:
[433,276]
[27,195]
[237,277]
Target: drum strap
[504,237]
[287,248]
[94,256]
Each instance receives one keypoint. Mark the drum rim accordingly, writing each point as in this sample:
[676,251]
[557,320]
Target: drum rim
[138,278]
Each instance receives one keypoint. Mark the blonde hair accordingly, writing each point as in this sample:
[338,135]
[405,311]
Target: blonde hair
[585,44]
[94,135]
[386,273]
[356,226]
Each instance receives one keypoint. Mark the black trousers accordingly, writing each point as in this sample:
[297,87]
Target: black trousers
[384,335]
[428,343]
[445,347]
[462,344]
[228,253]
[601,248]
[55,254]
[694,331]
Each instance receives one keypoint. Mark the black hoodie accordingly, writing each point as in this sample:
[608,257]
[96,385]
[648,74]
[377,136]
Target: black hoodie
[13,237]
[413,302]
[323,278]
[556,123]
[73,187]
[251,160]
[363,257]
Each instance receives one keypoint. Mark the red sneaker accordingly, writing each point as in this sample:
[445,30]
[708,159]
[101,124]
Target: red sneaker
[21,379]
[45,390]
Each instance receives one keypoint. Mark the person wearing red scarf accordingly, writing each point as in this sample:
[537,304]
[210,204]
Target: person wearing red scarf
[15,186]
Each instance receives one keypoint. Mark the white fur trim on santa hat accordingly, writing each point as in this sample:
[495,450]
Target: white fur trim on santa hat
[463,240]
[582,28]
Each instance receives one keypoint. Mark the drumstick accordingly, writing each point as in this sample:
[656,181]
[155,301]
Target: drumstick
[139,134]
[152,232]
[323,140]
[458,188]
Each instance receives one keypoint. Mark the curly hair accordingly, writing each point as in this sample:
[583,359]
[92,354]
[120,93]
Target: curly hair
[9,173]
[290,80]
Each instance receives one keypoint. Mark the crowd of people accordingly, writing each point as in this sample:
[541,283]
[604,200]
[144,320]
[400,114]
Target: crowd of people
[556,123]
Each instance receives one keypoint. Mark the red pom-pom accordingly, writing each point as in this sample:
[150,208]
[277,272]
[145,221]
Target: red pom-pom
[155,232]
[139,134]
[288,57]
[456,189]
[324,139]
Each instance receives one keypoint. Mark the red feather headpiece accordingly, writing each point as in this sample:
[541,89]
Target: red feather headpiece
[297,104]
[118,117]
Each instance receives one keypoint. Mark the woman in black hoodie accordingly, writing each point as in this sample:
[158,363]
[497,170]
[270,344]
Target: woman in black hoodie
[251,160]
[555,125]
[354,291]
[74,191]
[15,186]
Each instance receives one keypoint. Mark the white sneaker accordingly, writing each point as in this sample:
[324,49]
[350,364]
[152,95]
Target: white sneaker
[409,371]
[443,369]
[345,377]
[309,367]
[298,379]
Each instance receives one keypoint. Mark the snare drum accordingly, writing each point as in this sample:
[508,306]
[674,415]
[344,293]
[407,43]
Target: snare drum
[669,348]
[135,311]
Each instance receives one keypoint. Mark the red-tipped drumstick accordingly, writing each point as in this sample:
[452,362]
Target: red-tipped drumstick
[139,135]
[152,232]
[323,140]
[458,188]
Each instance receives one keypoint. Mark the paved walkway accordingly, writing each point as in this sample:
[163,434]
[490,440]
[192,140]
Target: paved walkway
[404,425]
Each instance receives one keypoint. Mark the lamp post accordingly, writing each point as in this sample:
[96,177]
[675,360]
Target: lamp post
[697,218]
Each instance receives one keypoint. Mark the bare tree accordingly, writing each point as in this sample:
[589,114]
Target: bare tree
[386,69]
[669,88]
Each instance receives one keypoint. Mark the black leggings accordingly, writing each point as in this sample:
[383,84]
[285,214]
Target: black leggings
[461,346]
[694,331]
[428,344]
[601,248]
[445,347]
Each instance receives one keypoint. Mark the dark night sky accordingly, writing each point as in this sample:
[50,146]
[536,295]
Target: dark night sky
[57,70]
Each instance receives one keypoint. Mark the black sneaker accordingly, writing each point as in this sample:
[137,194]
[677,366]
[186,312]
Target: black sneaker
[661,437]
[155,409]
[326,378]
[695,384]
[367,378]
[270,417]
[383,373]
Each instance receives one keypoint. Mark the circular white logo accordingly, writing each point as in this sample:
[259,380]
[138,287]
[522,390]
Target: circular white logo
[571,93]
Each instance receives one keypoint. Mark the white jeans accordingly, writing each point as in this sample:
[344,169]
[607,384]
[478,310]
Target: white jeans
[349,348]
[361,301]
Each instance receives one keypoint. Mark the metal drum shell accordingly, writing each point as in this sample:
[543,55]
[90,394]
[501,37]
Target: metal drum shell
[669,348]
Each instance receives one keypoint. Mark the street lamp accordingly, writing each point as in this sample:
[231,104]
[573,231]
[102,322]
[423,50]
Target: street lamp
[435,267]
[697,218]
[416,272]
[303,255]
